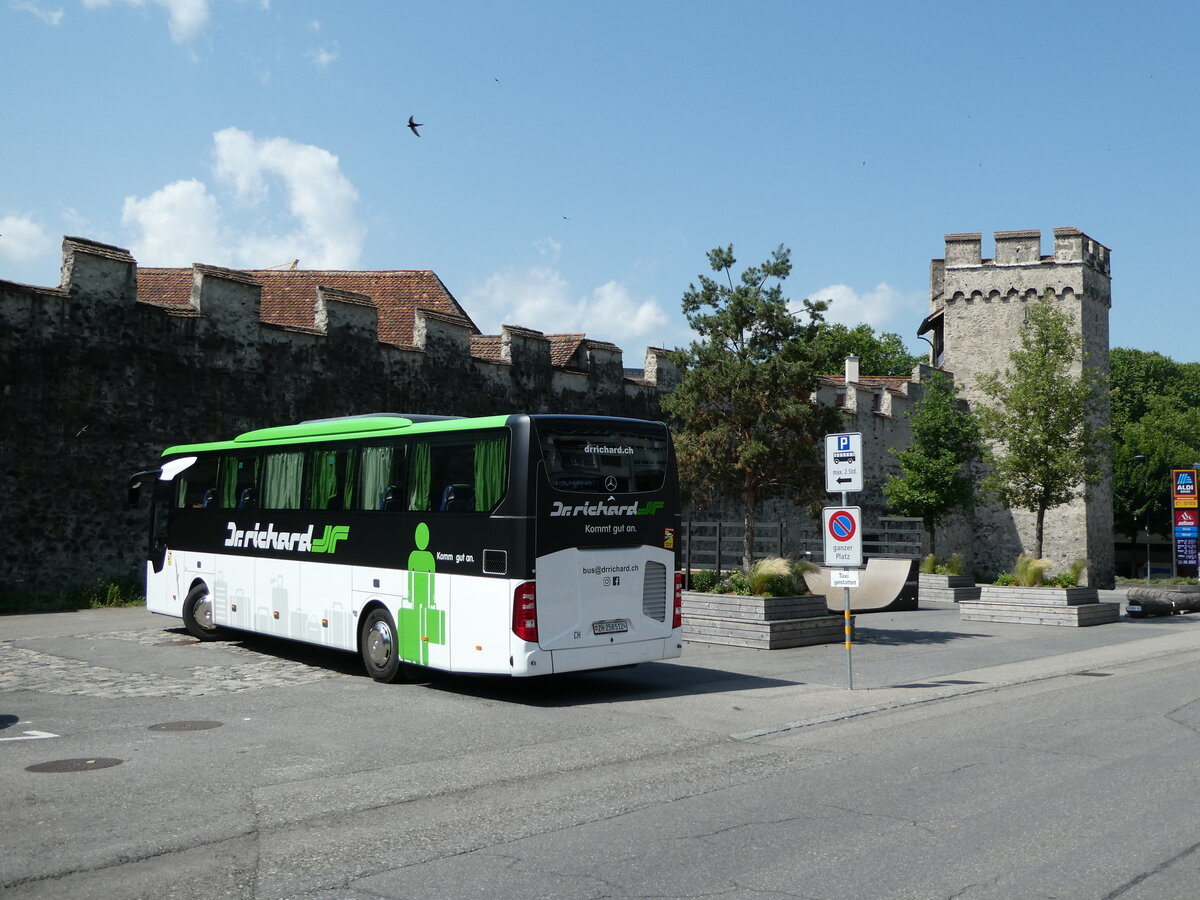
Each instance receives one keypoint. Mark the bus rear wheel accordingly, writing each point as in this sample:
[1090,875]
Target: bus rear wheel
[198,614]
[381,647]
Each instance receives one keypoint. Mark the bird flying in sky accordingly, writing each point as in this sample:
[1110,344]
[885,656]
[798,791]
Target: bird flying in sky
[415,125]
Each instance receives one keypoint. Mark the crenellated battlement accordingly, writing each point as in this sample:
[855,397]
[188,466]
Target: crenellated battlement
[380,312]
[1024,248]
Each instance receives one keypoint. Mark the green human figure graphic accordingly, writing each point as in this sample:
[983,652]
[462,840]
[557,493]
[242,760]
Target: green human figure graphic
[424,623]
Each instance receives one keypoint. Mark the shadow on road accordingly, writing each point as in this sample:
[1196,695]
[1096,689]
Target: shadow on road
[907,636]
[643,682]
[647,681]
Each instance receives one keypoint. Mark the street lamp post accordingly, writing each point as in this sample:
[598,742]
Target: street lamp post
[1143,459]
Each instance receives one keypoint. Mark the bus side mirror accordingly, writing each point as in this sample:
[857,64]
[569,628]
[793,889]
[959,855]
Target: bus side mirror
[136,482]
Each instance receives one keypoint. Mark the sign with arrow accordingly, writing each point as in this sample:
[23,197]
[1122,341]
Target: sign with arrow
[843,462]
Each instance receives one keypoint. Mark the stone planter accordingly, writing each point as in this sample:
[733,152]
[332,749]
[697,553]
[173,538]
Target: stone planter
[766,623]
[1078,606]
[946,588]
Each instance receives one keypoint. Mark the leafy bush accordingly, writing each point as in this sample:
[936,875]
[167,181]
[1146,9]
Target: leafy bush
[952,566]
[1030,572]
[771,577]
[705,580]
[737,582]
[1071,577]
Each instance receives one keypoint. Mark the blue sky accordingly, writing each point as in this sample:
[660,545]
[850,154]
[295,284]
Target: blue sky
[578,160]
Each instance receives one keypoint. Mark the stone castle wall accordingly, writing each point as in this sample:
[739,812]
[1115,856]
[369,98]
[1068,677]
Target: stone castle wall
[95,384]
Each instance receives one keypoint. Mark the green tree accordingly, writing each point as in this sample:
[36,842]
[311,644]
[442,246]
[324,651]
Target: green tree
[1044,446]
[935,478]
[882,354]
[747,421]
[1137,376]
[1155,406]
[1166,437]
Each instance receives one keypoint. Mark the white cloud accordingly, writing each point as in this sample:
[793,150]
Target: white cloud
[540,298]
[180,225]
[323,58]
[22,240]
[49,16]
[548,247]
[185,18]
[883,308]
[259,184]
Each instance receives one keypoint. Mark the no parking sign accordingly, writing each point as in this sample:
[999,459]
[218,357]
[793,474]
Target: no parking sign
[843,536]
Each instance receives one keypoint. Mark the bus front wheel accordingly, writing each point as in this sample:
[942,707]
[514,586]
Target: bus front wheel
[198,614]
[381,647]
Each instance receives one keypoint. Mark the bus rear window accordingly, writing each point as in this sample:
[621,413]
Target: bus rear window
[586,460]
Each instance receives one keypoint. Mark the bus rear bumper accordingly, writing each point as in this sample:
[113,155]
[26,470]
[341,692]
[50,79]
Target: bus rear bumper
[545,662]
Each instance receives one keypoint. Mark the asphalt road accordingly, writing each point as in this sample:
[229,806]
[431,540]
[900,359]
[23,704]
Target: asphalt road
[971,760]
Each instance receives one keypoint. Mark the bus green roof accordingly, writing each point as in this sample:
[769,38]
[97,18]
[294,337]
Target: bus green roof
[345,429]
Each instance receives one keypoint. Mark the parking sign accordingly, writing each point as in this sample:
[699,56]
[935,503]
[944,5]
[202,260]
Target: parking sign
[843,462]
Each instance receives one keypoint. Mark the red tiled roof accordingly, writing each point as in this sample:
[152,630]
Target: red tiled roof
[289,296]
[486,346]
[563,347]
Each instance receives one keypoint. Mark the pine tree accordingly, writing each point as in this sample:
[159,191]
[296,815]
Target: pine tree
[747,421]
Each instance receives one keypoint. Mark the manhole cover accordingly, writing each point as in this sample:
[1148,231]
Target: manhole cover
[74,765]
[185,726]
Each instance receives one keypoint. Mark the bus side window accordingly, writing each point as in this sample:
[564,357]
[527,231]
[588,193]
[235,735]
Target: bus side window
[194,485]
[282,480]
[466,473]
[235,476]
[330,480]
[380,476]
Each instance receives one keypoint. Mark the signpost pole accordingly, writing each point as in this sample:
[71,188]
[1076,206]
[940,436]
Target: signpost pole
[843,531]
[849,631]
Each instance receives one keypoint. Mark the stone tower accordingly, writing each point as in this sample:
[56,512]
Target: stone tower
[977,309]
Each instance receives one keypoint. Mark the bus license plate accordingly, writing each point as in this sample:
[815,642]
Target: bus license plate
[613,627]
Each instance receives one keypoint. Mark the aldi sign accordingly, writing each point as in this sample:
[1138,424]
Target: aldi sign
[1183,489]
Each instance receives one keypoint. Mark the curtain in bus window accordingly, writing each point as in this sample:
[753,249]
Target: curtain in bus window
[348,481]
[376,472]
[322,478]
[228,482]
[281,483]
[421,477]
[491,466]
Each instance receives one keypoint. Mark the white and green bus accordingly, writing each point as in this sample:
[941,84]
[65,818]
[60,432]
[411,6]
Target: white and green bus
[518,545]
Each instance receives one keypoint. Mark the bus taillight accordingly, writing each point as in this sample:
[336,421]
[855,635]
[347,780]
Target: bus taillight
[677,616]
[524,621]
